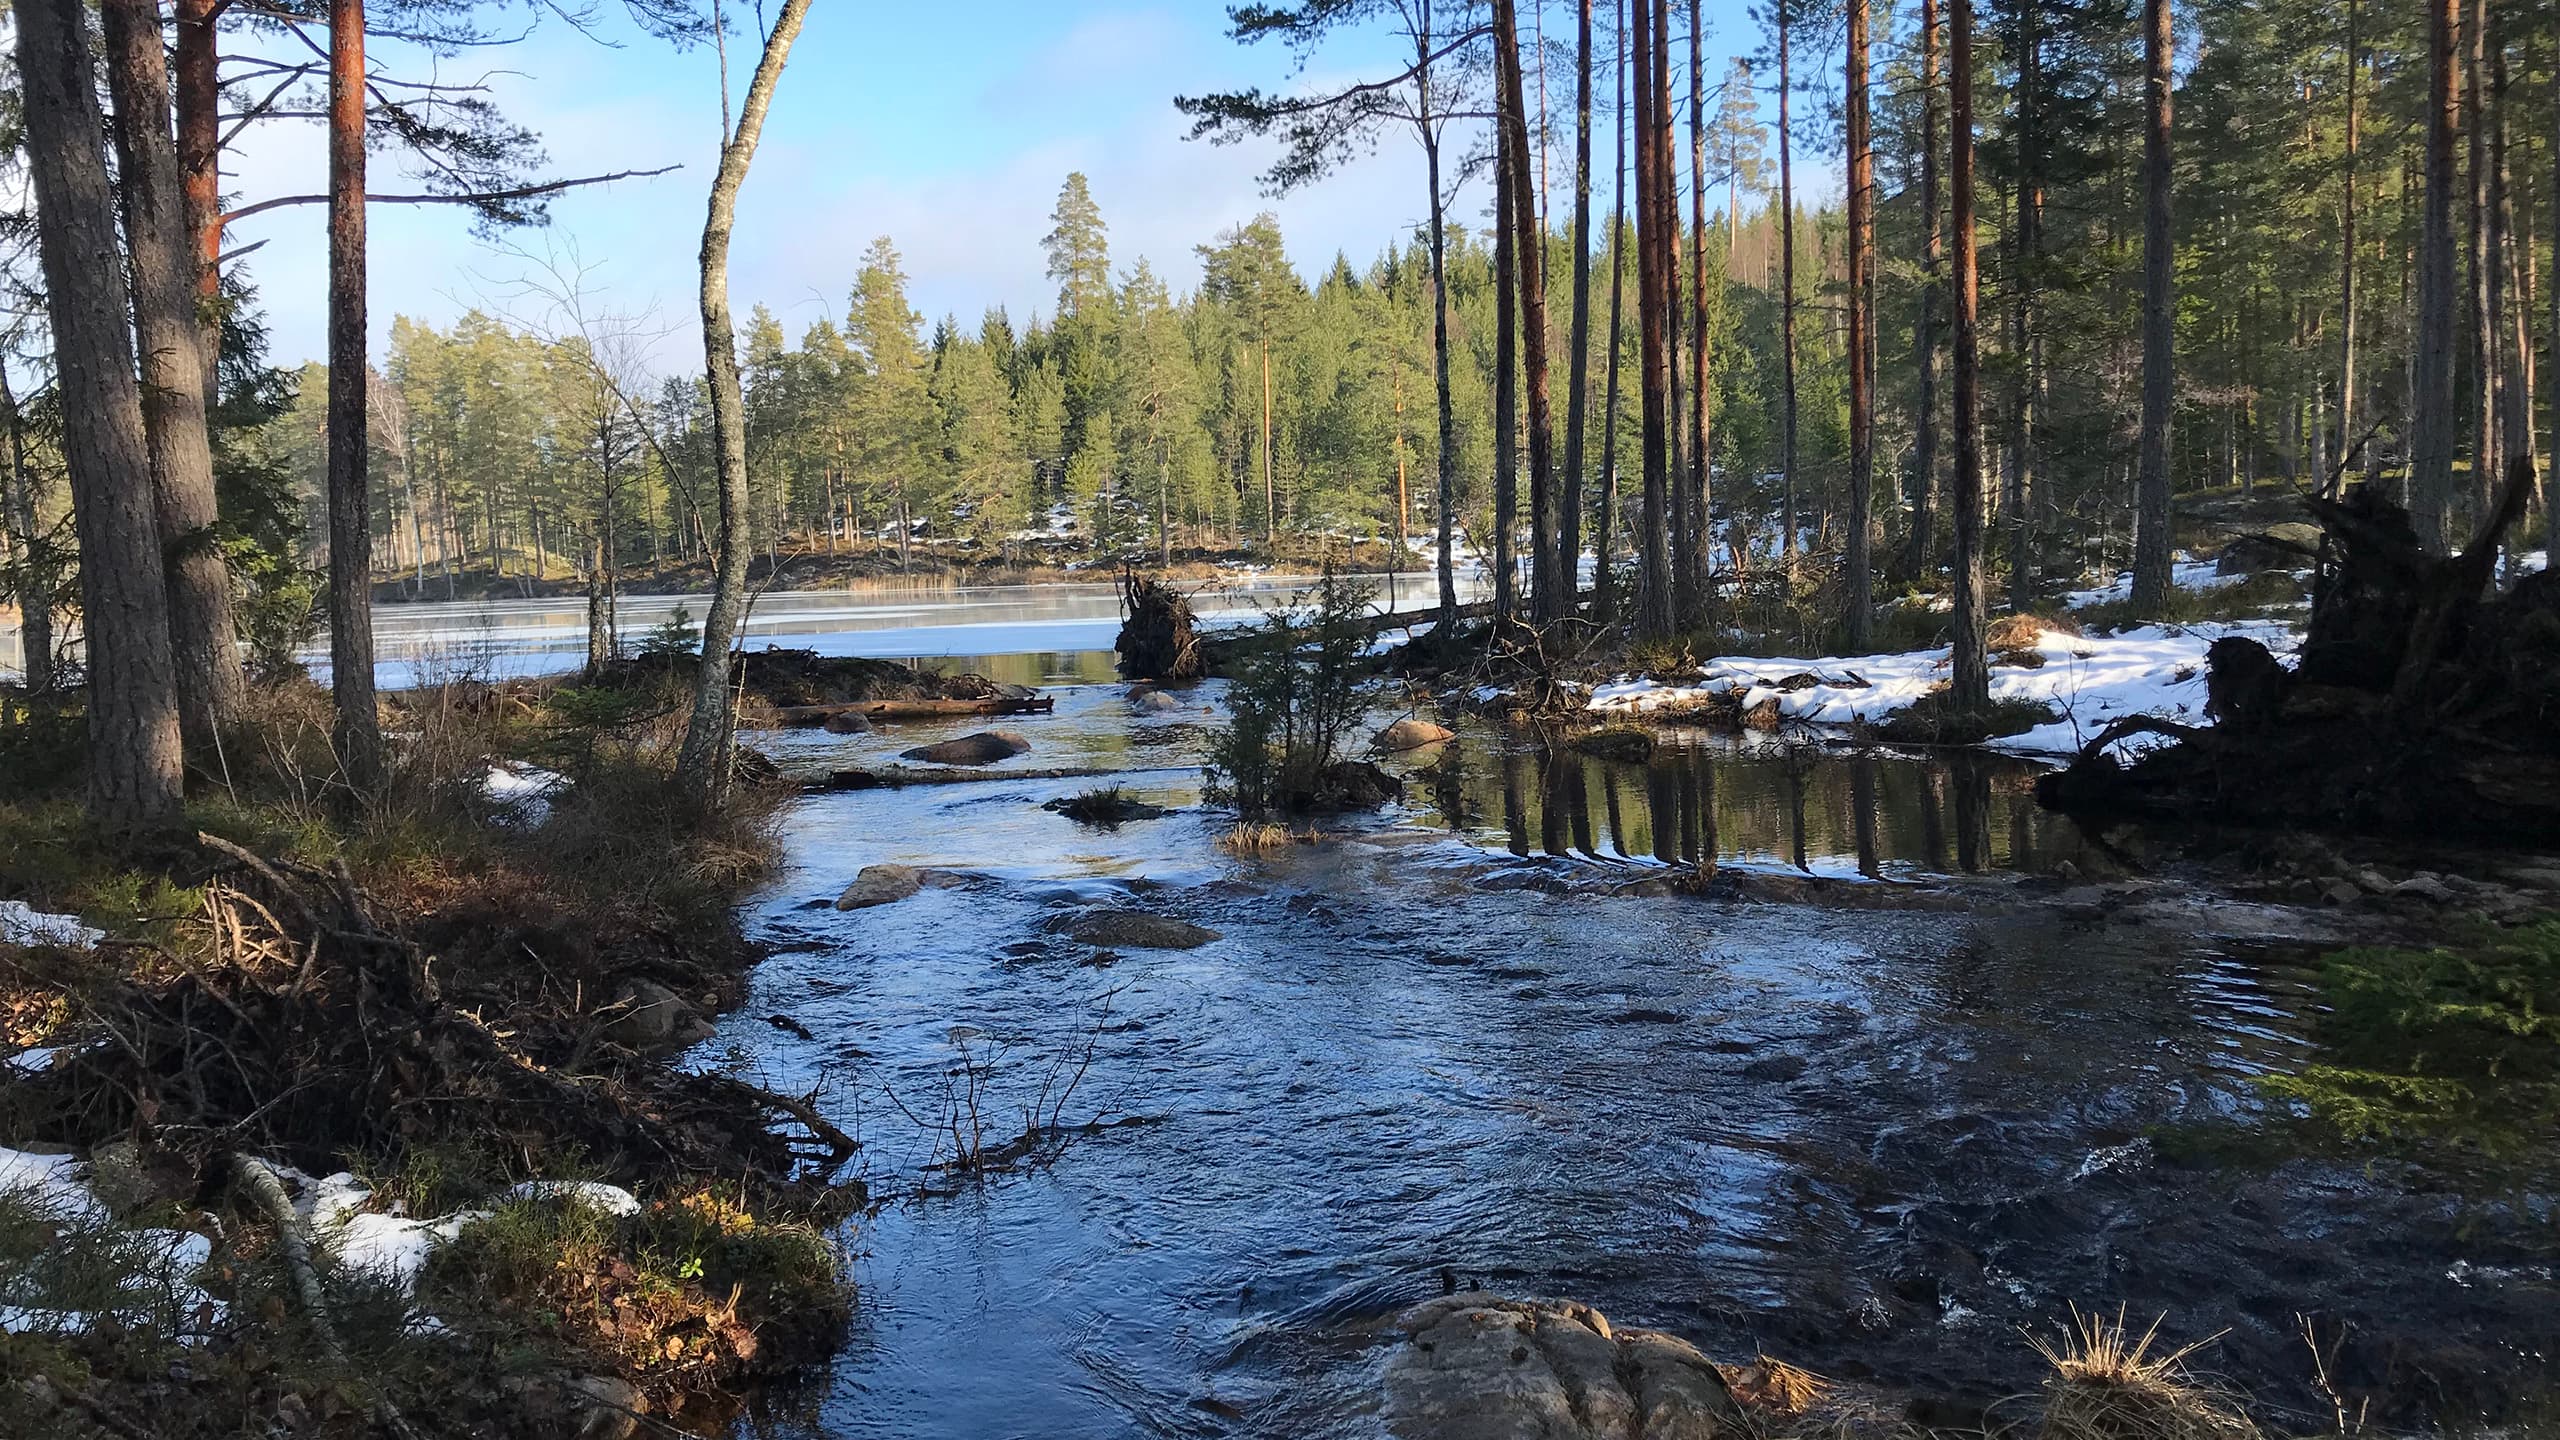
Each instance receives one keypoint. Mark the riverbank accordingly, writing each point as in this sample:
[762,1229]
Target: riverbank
[340,1116]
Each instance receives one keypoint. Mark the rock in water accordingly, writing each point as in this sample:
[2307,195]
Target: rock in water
[1474,1367]
[878,885]
[847,722]
[984,748]
[1135,930]
[646,1015]
[1153,702]
[1412,734]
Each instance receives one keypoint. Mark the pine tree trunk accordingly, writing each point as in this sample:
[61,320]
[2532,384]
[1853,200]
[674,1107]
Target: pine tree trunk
[199,140]
[1604,580]
[2431,432]
[2026,242]
[1652,308]
[203,641]
[1970,677]
[1528,256]
[1577,402]
[135,756]
[1921,554]
[2151,519]
[1506,405]
[2514,338]
[2479,299]
[1857,555]
[32,576]
[1786,289]
[2347,396]
[1701,318]
[1666,200]
[358,733]
[1447,501]
[703,763]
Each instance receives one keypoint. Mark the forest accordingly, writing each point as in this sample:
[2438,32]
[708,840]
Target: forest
[1963,814]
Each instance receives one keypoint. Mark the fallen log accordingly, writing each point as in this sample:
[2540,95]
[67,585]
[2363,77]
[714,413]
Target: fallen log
[892,777]
[807,717]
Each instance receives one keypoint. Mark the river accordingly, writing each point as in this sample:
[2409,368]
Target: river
[1462,1043]
[1474,1041]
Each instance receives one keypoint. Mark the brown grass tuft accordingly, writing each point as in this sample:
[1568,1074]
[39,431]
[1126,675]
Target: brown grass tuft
[2110,1384]
[1775,1387]
[1251,838]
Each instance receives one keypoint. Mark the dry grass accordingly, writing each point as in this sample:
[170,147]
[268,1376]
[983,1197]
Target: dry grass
[1253,838]
[2110,1383]
[1775,1387]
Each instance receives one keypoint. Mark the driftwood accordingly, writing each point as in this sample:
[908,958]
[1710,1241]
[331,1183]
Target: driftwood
[894,777]
[2423,702]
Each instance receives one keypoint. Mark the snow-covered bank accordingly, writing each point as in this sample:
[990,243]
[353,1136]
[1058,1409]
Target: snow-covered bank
[2091,680]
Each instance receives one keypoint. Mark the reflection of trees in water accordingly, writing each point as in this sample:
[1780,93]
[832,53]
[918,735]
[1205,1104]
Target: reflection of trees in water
[1698,804]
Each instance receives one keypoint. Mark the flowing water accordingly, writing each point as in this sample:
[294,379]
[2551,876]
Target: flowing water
[1457,1046]
[1465,1042]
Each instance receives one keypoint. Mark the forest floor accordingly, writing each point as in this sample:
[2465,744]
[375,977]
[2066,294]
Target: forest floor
[336,1117]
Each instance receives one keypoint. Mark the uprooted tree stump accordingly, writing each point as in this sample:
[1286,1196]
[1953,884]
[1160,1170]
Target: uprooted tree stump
[1155,641]
[2422,702]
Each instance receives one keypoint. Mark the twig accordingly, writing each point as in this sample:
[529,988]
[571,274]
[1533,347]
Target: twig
[295,1242]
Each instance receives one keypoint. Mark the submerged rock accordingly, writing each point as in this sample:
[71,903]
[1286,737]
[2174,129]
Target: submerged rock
[1474,1367]
[1135,930]
[846,722]
[1412,734]
[984,748]
[879,885]
[1154,702]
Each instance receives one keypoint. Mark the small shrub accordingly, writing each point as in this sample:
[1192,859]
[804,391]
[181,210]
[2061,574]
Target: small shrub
[1251,838]
[1294,700]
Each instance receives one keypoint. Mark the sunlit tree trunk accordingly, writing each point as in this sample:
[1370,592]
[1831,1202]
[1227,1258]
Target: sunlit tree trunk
[197,64]
[2431,367]
[1786,285]
[358,733]
[2159,318]
[1529,262]
[1577,403]
[135,755]
[203,641]
[2018,489]
[2347,395]
[1701,319]
[2479,291]
[1506,404]
[1652,308]
[703,763]
[1857,557]
[1970,674]
[1604,582]
[1922,551]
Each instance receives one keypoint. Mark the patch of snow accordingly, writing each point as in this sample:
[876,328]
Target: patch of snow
[2184,575]
[23,924]
[396,1247]
[2092,680]
[51,1181]
[37,1060]
[522,791]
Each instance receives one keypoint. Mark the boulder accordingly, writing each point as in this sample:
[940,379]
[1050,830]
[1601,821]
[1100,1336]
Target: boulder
[646,1015]
[879,885]
[1475,1367]
[2289,546]
[1412,734]
[984,748]
[1134,930]
[847,722]
[1154,702]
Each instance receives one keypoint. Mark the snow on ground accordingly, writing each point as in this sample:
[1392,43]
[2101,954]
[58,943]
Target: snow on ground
[2184,575]
[2092,680]
[163,1263]
[22,924]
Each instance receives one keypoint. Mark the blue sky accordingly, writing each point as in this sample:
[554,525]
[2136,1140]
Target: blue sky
[947,127]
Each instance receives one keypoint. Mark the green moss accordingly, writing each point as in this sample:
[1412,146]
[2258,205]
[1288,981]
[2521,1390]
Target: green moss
[2451,1049]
